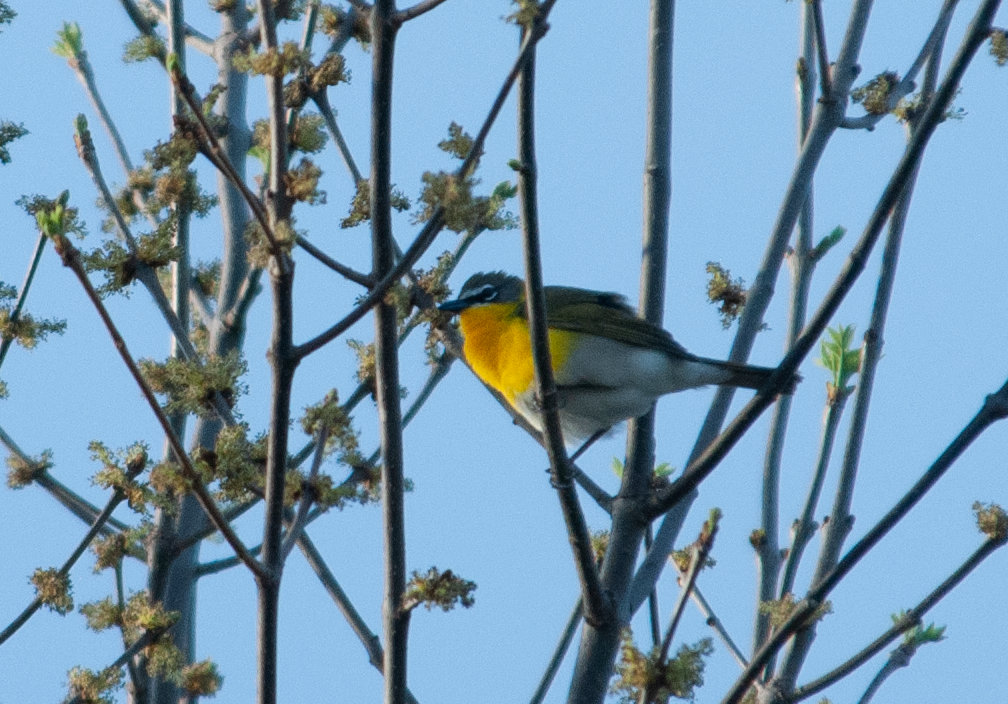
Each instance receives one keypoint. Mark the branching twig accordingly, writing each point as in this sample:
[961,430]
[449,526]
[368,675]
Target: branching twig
[905,87]
[77,505]
[416,10]
[218,157]
[910,619]
[436,222]
[855,264]
[116,498]
[995,408]
[71,258]
[15,313]
[142,642]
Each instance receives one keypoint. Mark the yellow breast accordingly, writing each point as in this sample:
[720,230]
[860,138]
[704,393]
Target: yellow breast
[497,347]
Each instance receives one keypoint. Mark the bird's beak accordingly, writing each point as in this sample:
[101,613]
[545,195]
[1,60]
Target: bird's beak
[456,306]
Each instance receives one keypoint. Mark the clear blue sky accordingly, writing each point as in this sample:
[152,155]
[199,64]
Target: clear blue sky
[482,504]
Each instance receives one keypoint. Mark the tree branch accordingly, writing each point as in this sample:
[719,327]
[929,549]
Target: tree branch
[99,521]
[910,619]
[341,269]
[436,222]
[15,314]
[416,10]
[566,638]
[855,264]
[596,605]
[71,259]
[995,408]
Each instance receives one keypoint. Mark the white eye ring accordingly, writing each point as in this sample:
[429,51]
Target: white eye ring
[486,292]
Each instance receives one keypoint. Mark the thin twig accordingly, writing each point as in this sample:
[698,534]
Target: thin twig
[910,619]
[321,100]
[563,645]
[654,615]
[15,313]
[719,629]
[803,265]
[821,54]
[131,669]
[71,258]
[416,10]
[433,226]
[371,642]
[307,497]
[702,550]
[805,526]
[341,269]
[116,498]
[995,408]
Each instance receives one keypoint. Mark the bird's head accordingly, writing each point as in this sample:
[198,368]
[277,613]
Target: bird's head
[486,288]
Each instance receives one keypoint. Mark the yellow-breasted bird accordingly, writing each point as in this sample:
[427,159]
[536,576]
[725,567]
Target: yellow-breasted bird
[609,365]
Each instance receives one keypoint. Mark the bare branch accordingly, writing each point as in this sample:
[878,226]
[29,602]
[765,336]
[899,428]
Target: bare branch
[434,225]
[99,521]
[71,258]
[910,619]
[595,604]
[558,655]
[341,269]
[995,408]
[699,468]
[416,10]
[15,313]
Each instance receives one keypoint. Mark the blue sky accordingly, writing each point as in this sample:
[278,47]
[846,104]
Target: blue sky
[482,504]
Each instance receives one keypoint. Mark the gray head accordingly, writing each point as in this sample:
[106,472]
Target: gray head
[491,287]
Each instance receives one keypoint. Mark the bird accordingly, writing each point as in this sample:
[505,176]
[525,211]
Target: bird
[609,365]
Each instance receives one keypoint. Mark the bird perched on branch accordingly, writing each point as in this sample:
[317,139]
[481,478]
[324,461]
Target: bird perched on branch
[609,365]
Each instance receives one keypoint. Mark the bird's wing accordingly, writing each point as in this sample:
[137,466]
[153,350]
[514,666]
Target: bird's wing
[606,315]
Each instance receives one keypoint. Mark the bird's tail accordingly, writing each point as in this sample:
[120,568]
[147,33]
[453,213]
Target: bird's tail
[750,376]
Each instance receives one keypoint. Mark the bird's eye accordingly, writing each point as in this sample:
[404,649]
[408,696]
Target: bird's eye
[487,292]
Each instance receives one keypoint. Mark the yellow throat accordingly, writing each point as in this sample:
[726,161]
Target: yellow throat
[497,346]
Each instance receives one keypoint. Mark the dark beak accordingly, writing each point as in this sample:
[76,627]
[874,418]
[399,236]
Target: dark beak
[456,306]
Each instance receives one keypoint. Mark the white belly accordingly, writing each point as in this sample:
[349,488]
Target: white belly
[605,382]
